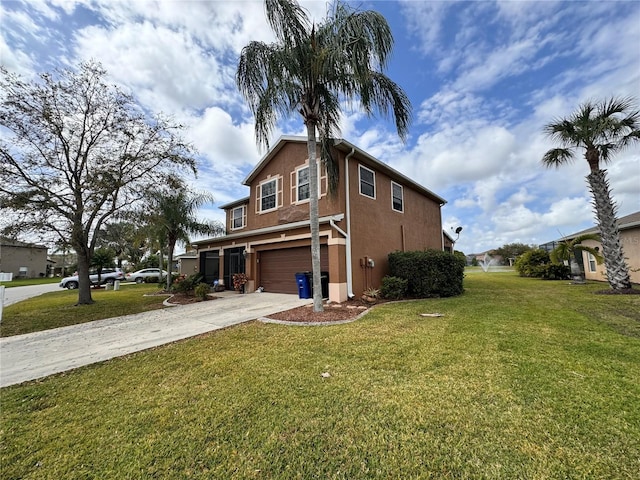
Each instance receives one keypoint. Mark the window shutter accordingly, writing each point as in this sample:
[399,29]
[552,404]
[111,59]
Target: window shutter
[323,181]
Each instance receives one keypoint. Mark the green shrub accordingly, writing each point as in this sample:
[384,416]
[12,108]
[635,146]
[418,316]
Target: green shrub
[201,291]
[429,273]
[151,279]
[532,263]
[393,288]
[555,271]
[537,264]
[184,284]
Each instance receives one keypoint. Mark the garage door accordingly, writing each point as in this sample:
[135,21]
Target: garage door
[278,267]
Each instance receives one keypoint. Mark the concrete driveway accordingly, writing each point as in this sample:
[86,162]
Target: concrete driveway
[39,354]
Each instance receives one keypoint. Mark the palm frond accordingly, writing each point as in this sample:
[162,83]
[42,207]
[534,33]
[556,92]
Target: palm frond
[557,157]
[287,19]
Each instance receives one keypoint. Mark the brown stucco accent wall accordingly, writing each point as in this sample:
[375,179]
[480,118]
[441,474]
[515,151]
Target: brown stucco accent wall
[377,230]
[283,167]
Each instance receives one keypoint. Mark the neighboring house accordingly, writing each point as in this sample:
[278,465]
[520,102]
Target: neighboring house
[629,227]
[64,264]
[489,255]
[375,211]
[24,260]
[448,242]
[187,262]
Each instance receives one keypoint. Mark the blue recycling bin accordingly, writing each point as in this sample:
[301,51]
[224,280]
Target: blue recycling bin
[304,286]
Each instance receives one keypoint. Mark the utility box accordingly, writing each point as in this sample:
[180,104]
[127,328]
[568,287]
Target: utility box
[304,285]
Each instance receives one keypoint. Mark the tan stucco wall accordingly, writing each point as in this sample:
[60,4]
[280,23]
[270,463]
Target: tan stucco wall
[14,257]
[630,240]
[188,266]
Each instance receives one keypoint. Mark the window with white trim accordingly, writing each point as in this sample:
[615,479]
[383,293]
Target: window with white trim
[239,217]
[302,184]
[397,197]
[367,182]
[268,195]
[592,262]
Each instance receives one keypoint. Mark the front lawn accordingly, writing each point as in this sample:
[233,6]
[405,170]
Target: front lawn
[520,378]
[57,309]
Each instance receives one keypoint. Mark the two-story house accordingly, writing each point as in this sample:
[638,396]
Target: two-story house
[375,211]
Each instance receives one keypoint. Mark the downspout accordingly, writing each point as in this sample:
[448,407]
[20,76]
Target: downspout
[348,219]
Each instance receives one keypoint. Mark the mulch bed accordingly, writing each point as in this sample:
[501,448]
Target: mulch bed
[183,298]
[333,312]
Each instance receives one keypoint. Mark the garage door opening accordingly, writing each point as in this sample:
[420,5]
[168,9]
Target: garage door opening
[278,268]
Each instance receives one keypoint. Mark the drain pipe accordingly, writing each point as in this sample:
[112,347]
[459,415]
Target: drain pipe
[348,234]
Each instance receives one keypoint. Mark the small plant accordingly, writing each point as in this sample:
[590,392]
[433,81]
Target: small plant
[201,291]
[372,292]
[371,295]
[394,288]
[239,280]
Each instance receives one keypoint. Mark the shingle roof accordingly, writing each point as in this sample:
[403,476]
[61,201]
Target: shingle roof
[624,223]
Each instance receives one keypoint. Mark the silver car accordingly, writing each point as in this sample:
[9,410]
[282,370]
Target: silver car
[140,275]
[107,275]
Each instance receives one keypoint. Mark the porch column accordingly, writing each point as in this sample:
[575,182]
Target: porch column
[337,248]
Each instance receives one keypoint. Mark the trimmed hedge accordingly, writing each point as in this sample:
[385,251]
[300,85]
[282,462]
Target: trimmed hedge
[394,288]
[429,273]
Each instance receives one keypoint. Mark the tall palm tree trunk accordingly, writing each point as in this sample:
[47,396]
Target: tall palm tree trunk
[314,217]
[617,269]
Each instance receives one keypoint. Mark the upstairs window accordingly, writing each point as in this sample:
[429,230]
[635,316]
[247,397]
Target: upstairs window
[268,192]
[302,182]
[367,182]
[397,197]
[268,195]
[238,217]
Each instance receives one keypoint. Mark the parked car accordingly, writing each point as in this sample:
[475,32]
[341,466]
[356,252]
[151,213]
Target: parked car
[140,275]
[107,275]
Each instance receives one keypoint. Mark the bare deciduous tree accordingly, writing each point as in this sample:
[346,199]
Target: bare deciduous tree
[77,152]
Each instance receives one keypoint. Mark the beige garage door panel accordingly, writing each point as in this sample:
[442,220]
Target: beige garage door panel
[278,267]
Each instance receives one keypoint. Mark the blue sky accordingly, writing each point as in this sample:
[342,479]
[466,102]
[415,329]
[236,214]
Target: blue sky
[483,77]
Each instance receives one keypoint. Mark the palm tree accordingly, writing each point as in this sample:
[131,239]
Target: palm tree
[567,250]
[101,258]
[601,129]
[174,220]
[311,69]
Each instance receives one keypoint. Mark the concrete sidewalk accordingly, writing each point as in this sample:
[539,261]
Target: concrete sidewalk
[36,355]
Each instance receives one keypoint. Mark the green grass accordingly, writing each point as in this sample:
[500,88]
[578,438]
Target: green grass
[22,282]
[57,309]
[521,379]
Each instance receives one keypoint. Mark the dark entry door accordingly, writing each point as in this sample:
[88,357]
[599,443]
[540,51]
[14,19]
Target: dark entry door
[210,266]
[233,263]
